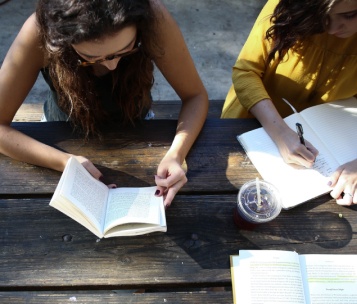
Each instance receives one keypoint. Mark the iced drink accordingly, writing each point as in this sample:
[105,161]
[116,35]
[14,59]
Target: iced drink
[256,204]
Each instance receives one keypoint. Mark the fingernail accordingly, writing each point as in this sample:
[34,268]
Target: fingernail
[329,183]
[157,192]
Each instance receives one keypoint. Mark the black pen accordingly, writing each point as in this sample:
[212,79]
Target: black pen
[300,133]
[299,129]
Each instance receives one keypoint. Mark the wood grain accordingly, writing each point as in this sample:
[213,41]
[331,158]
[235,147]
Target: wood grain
[42,249]
[130,156]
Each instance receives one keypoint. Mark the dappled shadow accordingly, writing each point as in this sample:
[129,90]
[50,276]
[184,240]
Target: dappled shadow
[209,236]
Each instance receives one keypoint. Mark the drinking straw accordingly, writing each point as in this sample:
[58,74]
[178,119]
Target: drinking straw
[259,199]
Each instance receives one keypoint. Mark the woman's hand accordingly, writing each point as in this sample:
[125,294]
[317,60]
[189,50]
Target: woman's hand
[169,179]
[292,151]
[89,166]
[344,181]
[287,140]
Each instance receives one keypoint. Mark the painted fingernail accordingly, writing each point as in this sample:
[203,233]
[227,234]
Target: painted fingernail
[329,183]
[157,192]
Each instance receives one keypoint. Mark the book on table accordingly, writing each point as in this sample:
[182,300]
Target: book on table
[330,128]
[107,212]
[274,276]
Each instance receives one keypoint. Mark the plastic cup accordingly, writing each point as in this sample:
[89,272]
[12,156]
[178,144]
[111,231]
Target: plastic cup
[249,212]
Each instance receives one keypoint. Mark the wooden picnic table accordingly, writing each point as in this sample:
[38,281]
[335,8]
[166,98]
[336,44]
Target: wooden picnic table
[46,257]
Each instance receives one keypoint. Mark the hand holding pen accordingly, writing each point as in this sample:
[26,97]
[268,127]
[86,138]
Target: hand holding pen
[300,156]
[299,129]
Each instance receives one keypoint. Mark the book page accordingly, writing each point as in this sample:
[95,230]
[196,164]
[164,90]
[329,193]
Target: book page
[267,276]
[133,205]
[330,279]
[295,185]
[336,123]
[134,229]
[87,193]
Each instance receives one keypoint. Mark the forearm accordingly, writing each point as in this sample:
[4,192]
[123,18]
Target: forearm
[269,118]
[24,148]
[191,119]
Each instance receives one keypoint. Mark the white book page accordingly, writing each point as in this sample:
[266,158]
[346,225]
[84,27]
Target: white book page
[296,185]
[134,229]
[133,205]
[87,193]
[336,125]
[63,205]
[267,276]
[330,279]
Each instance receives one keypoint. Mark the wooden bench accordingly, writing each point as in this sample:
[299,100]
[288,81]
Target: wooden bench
[163,109]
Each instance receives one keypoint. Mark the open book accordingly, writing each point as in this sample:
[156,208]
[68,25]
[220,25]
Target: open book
[330,128]
[107,212]
[273,276]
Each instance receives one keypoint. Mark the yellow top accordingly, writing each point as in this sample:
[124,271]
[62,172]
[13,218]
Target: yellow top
[323,69]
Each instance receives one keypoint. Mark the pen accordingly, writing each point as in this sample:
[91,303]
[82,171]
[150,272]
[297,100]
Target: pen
[299,129]
[300,133]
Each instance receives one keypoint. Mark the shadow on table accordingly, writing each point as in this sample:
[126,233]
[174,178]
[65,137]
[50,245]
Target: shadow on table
[120,178]
[212,236]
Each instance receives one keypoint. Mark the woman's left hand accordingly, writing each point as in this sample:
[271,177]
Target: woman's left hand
[169,179]
[344,181]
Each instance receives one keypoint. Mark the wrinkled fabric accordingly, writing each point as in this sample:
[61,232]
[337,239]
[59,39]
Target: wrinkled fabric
[322,69]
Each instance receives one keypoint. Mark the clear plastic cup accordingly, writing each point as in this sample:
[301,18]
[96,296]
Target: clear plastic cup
[249,212]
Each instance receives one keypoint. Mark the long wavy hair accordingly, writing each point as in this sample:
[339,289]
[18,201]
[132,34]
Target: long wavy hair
[295,20]
[66,22]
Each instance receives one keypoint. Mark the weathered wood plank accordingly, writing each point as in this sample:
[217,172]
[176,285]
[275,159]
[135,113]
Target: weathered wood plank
[163,109]
[29,112]
[170,109]
[129,156]
[109,297]
[42,249]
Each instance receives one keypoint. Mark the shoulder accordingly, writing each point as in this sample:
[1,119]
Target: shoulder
[26,51]
[157,6]
[267,12]
[30,29]
[28,41]
[161,14]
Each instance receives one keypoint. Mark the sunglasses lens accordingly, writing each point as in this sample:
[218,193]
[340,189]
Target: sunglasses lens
[108,58]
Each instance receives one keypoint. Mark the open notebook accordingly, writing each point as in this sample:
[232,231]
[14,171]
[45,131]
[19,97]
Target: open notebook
[330,127]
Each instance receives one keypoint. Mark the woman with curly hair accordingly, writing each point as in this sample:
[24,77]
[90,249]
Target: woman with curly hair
[98,58]
[304,51]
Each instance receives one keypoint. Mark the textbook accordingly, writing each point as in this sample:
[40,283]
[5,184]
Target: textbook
[330,128]
[275,276]
[107,212]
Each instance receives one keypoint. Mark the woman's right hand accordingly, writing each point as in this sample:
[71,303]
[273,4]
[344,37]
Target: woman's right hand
[286,139]
[292,151]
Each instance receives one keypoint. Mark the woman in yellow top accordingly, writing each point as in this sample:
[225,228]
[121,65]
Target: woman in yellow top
[305,52]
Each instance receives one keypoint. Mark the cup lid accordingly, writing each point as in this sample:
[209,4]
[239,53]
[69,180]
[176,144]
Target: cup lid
[270,201]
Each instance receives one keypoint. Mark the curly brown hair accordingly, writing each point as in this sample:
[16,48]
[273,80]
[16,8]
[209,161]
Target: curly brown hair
[66,22]
[295,20]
